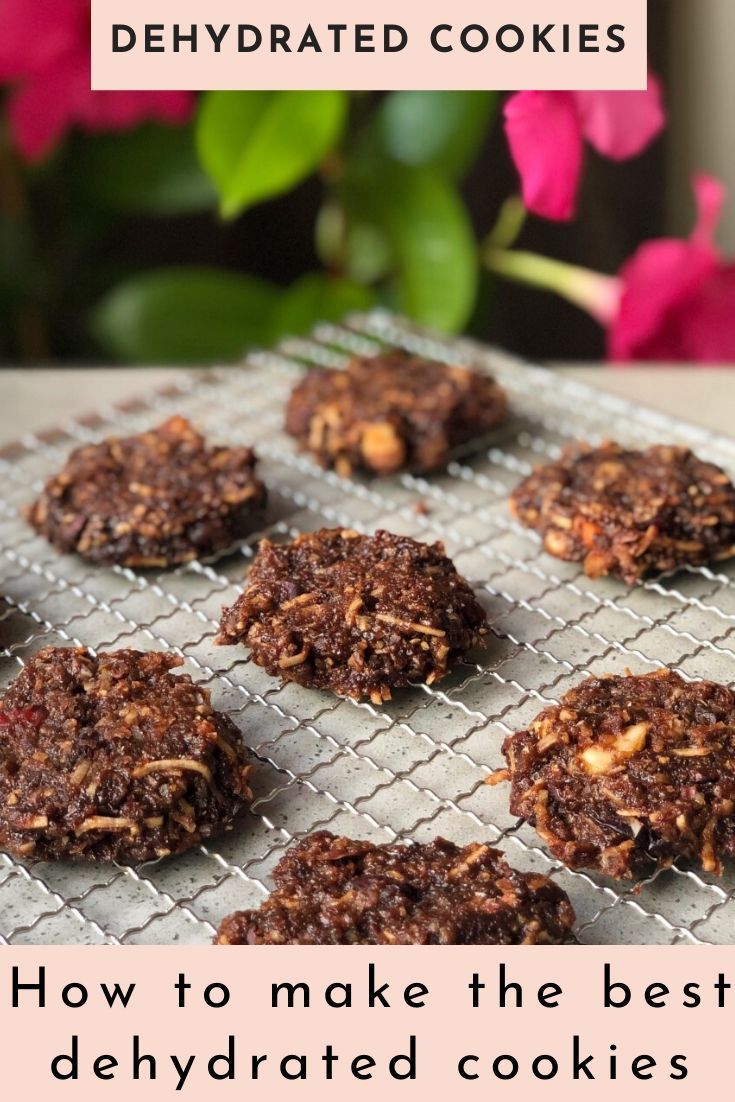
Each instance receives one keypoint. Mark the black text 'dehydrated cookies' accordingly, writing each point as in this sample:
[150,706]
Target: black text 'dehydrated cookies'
[338,891]
[630,513]
[392,412]
[358,615]
[629,773]
[110,757]
[156,499]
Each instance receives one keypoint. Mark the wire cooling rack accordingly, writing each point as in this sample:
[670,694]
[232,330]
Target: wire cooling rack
[415,767]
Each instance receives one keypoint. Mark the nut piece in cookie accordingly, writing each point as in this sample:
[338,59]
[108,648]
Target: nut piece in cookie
[338,891]
[109,757]
[630,513]
[157,499]
[358,615]
[629,773]
[392,412]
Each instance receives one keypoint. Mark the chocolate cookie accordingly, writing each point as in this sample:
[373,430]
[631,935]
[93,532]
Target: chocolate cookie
[629,773]
[628,513]
[392,412]
[111,758]
[156,499]
[358,615]
[336,891]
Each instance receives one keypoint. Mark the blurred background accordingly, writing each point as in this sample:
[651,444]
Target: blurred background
[185,231]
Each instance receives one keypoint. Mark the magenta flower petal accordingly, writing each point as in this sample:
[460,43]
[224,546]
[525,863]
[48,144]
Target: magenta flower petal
[657,280]
[706,327]
[710,195]
[33,36]
[40,112]
[620,125]
[546,145]
[44,56]
[546,133]
[103,111]
[678,298]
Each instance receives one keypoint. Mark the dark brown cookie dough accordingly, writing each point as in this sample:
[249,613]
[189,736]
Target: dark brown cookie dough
[156,499]
[358,615]
[629,773]
[392,412]
[629,513]
[338,891]
[112,758]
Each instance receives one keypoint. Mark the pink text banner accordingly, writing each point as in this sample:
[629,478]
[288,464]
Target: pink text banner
[388,1024]
[380,44]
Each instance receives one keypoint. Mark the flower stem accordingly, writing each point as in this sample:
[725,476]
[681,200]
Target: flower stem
[510,222]
[598,295]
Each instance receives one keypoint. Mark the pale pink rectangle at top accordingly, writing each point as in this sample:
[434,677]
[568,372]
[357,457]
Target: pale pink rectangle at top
[369,44]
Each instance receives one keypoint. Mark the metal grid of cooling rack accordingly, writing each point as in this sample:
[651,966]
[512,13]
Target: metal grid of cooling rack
[409,770]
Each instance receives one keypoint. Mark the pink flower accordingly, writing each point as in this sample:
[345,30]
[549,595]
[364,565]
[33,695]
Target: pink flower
[45,57]
[676,299]
[546,132]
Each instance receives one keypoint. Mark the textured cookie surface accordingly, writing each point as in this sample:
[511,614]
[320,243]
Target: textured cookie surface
[358,615]
[629,773]
[629,513]
[156,499]
[338,891]
[112,758]
[392,412]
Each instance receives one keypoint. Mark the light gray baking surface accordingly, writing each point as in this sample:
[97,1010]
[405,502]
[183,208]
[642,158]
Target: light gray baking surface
[416,767]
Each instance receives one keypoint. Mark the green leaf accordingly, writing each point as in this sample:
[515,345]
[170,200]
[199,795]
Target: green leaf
[436,248]
[435,257]
[367,252]
[313,298]
[443,130]
[357,248]
[151,170]
[189,315]
[256,145]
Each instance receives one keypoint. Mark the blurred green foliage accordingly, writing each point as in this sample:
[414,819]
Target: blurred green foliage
[392,227]
[256,145]
[194,314]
